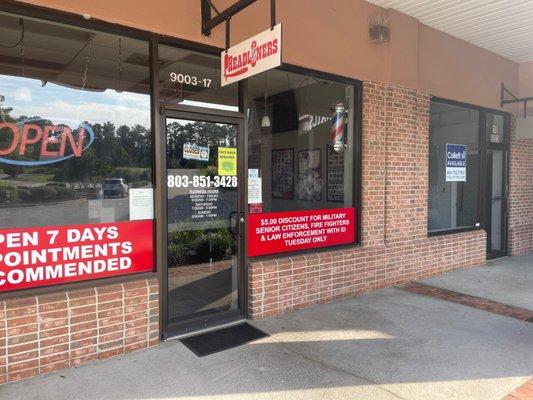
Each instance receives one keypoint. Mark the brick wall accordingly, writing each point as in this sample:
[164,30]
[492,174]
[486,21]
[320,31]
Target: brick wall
[40,334]
[395,246]
[520,194]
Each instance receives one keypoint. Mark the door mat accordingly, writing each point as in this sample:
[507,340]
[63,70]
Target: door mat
[222,339]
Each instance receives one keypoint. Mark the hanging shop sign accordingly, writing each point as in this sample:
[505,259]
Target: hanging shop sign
[455,162]
[282,232]
[253,56]
[54,143]
[44,256]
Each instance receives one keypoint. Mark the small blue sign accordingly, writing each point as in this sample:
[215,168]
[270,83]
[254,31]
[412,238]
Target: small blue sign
[455,162]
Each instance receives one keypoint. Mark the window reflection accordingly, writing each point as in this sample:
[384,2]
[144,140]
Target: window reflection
[74,123]
[191,78]
[290,142]
[453,204]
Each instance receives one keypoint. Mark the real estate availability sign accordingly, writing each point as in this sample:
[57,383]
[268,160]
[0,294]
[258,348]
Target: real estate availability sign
[455,162]
[253,56]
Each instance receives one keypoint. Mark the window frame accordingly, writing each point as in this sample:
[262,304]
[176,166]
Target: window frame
[357,123]
[482,146]
[54,16]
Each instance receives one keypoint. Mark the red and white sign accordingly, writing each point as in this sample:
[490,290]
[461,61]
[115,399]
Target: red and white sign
[281,232]
[257,54]
[52,255]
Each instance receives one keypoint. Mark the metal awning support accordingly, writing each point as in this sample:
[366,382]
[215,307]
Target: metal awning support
[208,22]
[514,99]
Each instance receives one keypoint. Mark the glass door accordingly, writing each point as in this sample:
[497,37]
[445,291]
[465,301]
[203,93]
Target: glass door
[205,223]
[496,156]
[496,203]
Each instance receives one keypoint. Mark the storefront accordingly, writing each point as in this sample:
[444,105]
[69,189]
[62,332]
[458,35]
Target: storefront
[246,170]
[142,197]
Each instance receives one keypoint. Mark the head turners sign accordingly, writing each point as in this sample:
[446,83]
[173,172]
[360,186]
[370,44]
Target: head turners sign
[257,54]
[39,142]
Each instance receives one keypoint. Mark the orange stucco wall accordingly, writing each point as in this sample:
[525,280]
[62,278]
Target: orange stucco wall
[455,69]
[331,36]
[526,79]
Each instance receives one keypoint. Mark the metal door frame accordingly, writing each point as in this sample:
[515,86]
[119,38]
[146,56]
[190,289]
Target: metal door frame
[201,322]
[488,199]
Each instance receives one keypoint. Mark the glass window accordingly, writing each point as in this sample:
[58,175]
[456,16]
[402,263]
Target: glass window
[453,167]
[74,124]
[300,159]
[193,79]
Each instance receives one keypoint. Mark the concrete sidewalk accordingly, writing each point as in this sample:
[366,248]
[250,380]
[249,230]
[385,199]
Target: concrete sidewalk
[507,280]
[389,344]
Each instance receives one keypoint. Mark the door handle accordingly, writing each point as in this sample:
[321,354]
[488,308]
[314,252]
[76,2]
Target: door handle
[242,220]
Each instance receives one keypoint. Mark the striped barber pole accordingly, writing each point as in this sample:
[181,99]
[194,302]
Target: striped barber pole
[337,128]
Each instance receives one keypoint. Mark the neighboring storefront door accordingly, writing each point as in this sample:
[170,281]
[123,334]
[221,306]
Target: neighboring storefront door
[205,222]
[496,201]
[496,204]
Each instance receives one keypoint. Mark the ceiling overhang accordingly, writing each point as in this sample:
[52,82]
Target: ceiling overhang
[503,27]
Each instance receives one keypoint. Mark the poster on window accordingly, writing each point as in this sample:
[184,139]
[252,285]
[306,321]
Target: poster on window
[283,174]
[53,255]
[309,186]
[335,175]
[455,162]
[281,232]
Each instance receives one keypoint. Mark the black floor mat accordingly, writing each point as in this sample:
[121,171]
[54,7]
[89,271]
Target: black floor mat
[222,339]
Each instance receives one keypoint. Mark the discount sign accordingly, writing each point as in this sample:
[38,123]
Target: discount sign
[282,232]
[33,257]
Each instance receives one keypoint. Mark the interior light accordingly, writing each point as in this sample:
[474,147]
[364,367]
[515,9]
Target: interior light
[265,121]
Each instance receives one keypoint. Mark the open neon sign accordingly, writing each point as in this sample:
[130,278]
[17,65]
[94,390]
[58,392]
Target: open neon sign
[30,134]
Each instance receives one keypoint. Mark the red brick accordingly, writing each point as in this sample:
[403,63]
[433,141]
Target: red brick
[77,294]
[110,353]
[17,376]
[26,320]
[45,369]
[395,246]
[54,358]
[21,366]
[15,358]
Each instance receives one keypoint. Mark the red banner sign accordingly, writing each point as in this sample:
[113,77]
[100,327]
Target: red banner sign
[33,257]
[281,232]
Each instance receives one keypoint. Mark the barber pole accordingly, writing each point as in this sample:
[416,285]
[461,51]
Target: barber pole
[337,128]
